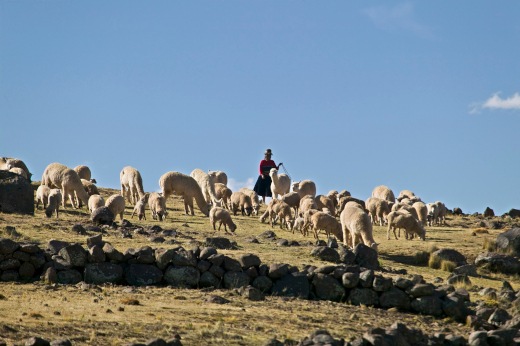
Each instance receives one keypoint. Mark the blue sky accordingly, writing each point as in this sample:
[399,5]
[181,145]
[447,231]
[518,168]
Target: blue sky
[351,94]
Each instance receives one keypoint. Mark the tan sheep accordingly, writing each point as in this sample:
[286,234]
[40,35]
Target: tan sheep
[307,224]
[19,171]
[60,176]
[116,204]
[306,203]
[281,211]
[84,173]
[378,209]
[293,199]
[223,193]
[140,207]
[346,199]
[255,199]
[53,202]
[328,223]
[222,216]
[325,202]
[241,201]
[304,188]
[298,224]
[131,184]
[186,187]
[333,195]
[357,226]
[206,185]
[406,194]
[90,188]
[383,192]
[398,219]
[422,212]
[157,204]
[270,206]
[218,177]
[7,163]
[42,195]
[280,183]
[94,202]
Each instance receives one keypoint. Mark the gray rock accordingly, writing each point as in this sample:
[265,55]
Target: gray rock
[350,280]
[478,338]
[278,270]
[207,279]
[54,246]
[325,253]
[231,265]
[30,248]
[428,305]
[506,336]
[102,216]
[499,317]
[381,284]
[203,266]
[50,276]
[458,278]
[394,298]
[363,296]
[495,262]
[217,300]
[453,306]
[36,341]
[69,277]
[10,275]
[112,253]
[96,254]
[95,240]
[61,342]
[292,285]
[468,269]
[263,283]
[366,257]
[328,288]
[327,269]
[235,279]
[366,278]
[143,275]
[106,272]
[16,194]
[8,246]
[451,255]
[509,241]
[26,271]
[206,252]
[252,293]
[249,260]
[403,283]
[421,290]
[346,255]
[217,271]
[74,255]
[182,276]
[219,243]
[9,264]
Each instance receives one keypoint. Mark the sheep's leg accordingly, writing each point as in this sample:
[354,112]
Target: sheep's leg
[396,235]
[388,232]
[57,209]
[346,235]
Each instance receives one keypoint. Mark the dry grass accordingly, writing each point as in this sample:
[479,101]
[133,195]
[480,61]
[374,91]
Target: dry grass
[103,315]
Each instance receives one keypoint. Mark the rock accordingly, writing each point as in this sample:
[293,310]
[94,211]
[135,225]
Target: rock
[381,284]
[252,293]
[106,272]
[366,257]
[403,283]
[454,307]
[478,338]
[282,242]
[328,288]
[395,298]
[325,253]
[363,296]
[263,283]
[50,276]
[499,317]
[16,194]
[102,216]
[10,275]
[36,341]
[8,246]
[346,255]
[231,265]
[235,279]
[219,243]
[9,264]
[182,276]
[489,212]
[207,279]
[421,290]
[79,229]
[350,280]
[292,285]
[450,255]
[366,278]
[54,246]
[249,260]
[458,278]
[69,277]
[495,262]
[61,342]
[143,275]
[217,300]
[468,269]
[206,252]
[112,253]
[96,254]
[26,271]
[74,255]
[268,235]
[427,305]
[29,248]
[507,335]
[457,211]
[278,270]
[509,241]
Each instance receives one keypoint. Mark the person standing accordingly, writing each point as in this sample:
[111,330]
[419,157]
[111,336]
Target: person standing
[263,183]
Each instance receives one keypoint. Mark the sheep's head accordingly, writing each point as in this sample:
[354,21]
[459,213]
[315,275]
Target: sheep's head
[374,246]
[232,227]
[422,233]
[296,186]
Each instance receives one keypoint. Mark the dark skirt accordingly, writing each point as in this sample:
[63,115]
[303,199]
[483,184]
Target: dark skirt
[263,186]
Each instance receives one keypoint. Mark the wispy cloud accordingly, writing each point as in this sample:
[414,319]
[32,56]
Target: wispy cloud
[235,185]
[497,102]
[401,16]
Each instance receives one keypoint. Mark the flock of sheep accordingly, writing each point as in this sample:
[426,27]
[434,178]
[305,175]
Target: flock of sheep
[339,214]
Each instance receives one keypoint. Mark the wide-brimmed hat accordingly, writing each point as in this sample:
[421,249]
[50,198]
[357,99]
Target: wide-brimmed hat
[268,152]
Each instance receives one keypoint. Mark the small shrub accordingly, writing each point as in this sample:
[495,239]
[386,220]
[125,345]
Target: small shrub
[434,262]
[130,301]
[448,266]
[432,248]
[489,245]
[421,258]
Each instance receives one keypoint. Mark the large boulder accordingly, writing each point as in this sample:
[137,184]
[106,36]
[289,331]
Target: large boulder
[450,255]
[509,241]
[495,262]
[16,194]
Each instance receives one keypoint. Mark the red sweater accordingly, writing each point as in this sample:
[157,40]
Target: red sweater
[266,165]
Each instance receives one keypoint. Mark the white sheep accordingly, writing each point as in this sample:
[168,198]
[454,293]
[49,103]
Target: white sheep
[255,199]
[304,188]
[60,176]
[293,199]
[42,195]
[185,186]
[7,163]
[116,204]
[222,216]
[280,211]
[378,209]
[280,183]
[84,173]
[405,194]
[324,202]
[326,222]
[383,192]
[140,207]
[399,219]
[333,195]
[436,213]
[422,212]
[298,224]
[206,185]
[223,194]
[53,202]
[344,200]
[157,204]
[356,226]
[306,203]
[241,201]
[218,177]
[131,184]
[94,202]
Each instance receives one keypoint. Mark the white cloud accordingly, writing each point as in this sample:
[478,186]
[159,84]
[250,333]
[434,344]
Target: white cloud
[400,16]
[496,102]
[237,185]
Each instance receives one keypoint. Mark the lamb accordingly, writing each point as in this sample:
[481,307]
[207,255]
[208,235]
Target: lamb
[281,211]
[324,202]
[255,199]
[223,217]
[293,199]
[94,202]
[7,163]
[116,204]
[378,209]
[90,188]
[223,193]
[140,207]
[60,176]
[280,183]
[218,177]
[53,202]
[422,212]
[398,219]
[270,206]
[84,173]
[298,224]
[42,195]
[383,192]
[186,187]
[306,215]
[304,188]
[356,224]
[206,185]
[157,204]
[131,184]
[241,201]
[326,222]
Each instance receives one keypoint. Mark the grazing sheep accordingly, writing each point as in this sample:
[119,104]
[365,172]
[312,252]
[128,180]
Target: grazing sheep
[90,188]
[223,194]
[436,213]
[345,199]
[255,199]
[324,202]
[343,193]
[333,195]
[185,186]
[223,217]
[7,163]
[140,207]
[307,224]
[241,201]
[206,185]
[304,188]
[42,195]
[94,202]
[281,211]
[405,194]
[293,199]
[60,176]
[53,203]
[422,212]
[383,192]
[270,206]
[84,173]
[356,225]
[218,177]
[410,209]
[306,203]
[157,204]
[298,224]
[131,184]
[378,209]
[398,219]
[116,204]
[280,183]
[328,223]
